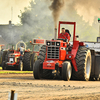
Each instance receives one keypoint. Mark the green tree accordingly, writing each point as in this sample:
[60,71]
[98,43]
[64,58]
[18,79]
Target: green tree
[36,21]
[85,31]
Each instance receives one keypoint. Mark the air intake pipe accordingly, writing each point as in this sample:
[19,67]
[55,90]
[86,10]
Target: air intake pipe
[55,36]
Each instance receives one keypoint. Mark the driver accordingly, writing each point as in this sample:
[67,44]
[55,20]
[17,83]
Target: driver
[22,49]
[64,35]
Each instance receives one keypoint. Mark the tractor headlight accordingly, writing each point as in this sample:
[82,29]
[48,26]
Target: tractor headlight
[48,43]
[57,43]
[70,57]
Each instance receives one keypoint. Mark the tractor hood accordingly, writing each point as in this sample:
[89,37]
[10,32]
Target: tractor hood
[56,49]
[14,54]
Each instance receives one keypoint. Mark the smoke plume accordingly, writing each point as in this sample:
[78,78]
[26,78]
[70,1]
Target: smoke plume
[56,8]
[88,9]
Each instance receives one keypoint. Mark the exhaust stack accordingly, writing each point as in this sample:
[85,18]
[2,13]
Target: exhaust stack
[55,36]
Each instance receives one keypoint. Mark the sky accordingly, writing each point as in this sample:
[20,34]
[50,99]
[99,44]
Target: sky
[88,9]
[5,10]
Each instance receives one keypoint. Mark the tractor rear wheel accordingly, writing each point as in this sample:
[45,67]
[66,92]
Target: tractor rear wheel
[83,61]
[66,71]
[1,52]
[3,57]
[34,58]
[27,61]
[4,66]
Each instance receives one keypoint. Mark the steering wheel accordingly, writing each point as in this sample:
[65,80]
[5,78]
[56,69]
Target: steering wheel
[65,40]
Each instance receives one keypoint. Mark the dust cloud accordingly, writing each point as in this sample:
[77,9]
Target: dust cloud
[88,9]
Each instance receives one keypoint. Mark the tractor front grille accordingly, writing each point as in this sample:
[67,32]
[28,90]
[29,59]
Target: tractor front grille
[53,52]
[11,59]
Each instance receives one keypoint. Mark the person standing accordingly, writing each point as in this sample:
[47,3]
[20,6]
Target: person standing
[21,51]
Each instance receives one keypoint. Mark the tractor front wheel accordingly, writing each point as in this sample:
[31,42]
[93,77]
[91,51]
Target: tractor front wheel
[3,57]
[37,70]
[4,66]
[66,71]
[20,66]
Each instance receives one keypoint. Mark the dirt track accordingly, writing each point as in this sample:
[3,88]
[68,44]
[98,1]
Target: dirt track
[30,89]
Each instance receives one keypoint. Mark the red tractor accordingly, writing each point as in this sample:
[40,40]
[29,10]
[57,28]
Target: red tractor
[13,58]
[31,56]
[69,61]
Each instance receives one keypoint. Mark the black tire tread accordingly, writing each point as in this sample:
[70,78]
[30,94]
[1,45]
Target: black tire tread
[47,74]
[80,61]
[3,56]
[26,61]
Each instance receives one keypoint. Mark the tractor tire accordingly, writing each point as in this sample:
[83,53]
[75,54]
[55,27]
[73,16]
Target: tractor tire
[3,57]
[46,74]
[20,66]
[66,71]
[27,61]
[6,57]
[42,54]
[37,70]
[83,62]
[92,76]
[4,66]
[97,68]
[34,58]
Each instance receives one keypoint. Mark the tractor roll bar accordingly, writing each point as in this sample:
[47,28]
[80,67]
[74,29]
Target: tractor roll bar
[71,23]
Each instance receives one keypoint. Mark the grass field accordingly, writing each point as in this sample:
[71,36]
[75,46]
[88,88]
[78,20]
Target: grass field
[14,72]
